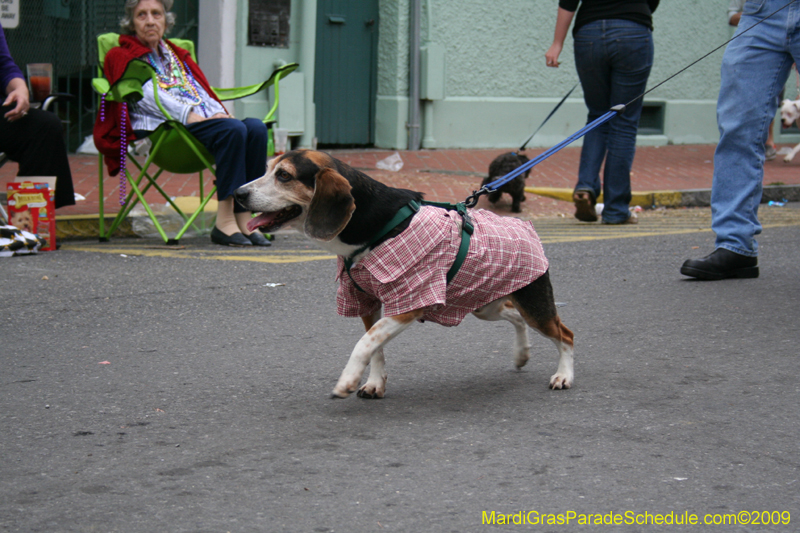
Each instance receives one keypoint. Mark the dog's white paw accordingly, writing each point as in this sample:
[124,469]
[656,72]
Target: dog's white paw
[560,381]
[375,387]
[347,384]
[788,158]
[343,391]
[372,391]
[521,357]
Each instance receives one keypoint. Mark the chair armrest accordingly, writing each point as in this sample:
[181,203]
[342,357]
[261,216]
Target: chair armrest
[241,92]
[129,87]
[56,97]
[125,90]
[234,93]
[100,85]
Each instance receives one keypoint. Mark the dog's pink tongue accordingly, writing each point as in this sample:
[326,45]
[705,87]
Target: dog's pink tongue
[264,219]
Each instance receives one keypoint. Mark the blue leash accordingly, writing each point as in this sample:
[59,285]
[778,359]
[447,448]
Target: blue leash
[472,199]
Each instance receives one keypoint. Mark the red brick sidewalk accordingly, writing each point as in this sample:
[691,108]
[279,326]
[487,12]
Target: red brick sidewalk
[451,175]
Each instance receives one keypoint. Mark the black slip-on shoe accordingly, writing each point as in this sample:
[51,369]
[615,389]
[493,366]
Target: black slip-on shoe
[257,239]
[721,264]
[237,239]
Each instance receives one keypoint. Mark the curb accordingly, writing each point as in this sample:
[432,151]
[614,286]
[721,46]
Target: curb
[687,198]
[87,226]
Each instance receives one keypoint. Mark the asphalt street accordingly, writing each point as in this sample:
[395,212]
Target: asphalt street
[146,389]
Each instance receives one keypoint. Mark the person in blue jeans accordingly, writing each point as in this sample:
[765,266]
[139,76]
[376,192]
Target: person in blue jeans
[613,44]
[755,67]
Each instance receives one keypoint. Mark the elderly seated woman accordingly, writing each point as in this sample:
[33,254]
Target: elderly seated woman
[239,147]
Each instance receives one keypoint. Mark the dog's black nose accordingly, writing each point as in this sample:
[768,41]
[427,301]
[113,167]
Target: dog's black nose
[241,194]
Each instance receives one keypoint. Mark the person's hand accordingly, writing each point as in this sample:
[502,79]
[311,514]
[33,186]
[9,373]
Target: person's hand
[194,117]
[551,56]
[18,97]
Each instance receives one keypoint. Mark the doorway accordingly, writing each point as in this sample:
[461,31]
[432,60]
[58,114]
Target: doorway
[346,72]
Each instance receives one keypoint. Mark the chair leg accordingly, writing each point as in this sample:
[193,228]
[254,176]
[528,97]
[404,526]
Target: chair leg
[270,142]
[194,215]
[101,221]
[131,200]
[140,196]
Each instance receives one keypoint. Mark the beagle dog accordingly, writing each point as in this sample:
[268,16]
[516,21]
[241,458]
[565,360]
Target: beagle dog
[394,275]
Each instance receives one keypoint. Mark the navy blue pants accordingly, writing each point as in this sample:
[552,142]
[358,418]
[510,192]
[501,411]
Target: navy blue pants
[613,59]
[239,148]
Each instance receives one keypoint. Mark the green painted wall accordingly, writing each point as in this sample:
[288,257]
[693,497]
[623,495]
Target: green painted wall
[254,64]
[496,89]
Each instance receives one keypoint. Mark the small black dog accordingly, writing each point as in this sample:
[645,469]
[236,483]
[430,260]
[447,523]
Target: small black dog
[502,165]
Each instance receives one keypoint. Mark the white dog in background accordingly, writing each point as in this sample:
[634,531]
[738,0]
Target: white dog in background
[790,114]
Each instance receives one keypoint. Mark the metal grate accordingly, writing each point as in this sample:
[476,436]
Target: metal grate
[651,122]
[64,33]
[268,22]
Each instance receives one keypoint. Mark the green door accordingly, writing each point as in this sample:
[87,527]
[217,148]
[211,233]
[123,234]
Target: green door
[346,72]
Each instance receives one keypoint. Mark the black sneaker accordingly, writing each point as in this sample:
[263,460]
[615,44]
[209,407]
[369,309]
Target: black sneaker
[721,264]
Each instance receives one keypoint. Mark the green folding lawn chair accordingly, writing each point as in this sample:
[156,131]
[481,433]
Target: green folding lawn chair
[173,149]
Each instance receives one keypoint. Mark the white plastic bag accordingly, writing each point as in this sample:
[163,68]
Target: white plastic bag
[393,163]
[87,146]
[170,221]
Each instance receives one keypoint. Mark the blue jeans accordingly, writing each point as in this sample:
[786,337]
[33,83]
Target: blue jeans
[754,69]
[613,58]
[239,148]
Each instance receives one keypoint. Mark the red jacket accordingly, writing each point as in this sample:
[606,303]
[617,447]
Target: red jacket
[107,124]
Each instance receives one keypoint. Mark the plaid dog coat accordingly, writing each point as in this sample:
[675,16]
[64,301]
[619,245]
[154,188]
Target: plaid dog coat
[409,271]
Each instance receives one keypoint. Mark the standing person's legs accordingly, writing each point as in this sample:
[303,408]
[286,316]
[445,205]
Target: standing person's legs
[754,68]
[745,107]
[631,55]
[36,142]
[594,73]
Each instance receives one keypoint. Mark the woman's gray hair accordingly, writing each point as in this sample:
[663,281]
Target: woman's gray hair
[126,22]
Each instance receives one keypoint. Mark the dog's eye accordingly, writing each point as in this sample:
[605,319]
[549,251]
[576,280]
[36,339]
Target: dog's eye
[282,176]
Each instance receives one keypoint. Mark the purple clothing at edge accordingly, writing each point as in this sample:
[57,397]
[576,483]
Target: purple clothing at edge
[8,69]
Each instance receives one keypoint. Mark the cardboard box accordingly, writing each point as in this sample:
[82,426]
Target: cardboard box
[31,207]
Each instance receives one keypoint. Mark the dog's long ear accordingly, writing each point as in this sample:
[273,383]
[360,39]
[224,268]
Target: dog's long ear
[331,207]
